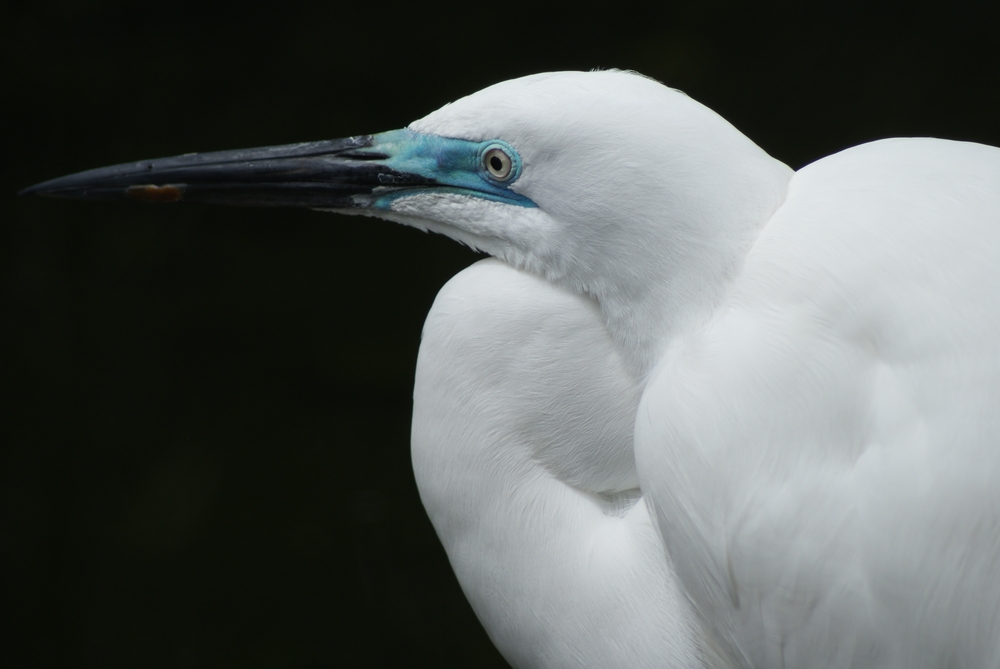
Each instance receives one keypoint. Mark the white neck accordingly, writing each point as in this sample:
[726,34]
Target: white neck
[512,459]
[668,251]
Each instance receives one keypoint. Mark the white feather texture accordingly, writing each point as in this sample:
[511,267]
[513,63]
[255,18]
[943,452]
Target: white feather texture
[518,465]
[801,374]
[823,454]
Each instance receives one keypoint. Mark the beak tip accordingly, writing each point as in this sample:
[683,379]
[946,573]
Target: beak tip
[51,188]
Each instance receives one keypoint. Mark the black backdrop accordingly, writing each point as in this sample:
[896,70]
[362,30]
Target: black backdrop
[205,412]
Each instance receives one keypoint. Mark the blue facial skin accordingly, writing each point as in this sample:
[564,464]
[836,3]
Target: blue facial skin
[455,164]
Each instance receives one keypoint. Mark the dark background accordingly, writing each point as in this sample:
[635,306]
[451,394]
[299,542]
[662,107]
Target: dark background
[205,411]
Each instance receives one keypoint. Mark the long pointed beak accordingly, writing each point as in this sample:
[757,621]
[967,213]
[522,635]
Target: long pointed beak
[333,174]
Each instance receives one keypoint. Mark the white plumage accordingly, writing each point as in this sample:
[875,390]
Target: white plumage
[818,359]
[822,453]
[525,466]
[701,410]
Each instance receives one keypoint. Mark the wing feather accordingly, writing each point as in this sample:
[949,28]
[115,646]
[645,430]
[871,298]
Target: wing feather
[824,453]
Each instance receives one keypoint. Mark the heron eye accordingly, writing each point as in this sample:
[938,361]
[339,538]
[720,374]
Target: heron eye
[497,163]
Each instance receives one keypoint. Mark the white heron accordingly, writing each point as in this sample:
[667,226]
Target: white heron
[700,410]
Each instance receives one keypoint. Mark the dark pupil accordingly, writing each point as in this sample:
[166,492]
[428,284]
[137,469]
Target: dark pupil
[496,163]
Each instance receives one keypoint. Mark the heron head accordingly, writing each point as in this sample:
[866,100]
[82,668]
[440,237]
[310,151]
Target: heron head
[607,182]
